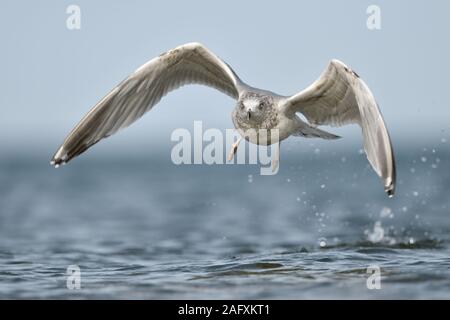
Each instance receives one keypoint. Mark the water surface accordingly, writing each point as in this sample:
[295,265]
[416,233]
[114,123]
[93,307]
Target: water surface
[141,227]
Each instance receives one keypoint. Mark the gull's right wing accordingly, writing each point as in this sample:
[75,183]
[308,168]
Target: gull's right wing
[191,63]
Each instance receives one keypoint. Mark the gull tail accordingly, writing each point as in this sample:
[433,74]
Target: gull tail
[307,131]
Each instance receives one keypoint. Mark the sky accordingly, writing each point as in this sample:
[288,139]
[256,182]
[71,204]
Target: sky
[51,76]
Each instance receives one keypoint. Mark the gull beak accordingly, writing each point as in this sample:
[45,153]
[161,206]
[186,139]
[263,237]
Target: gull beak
[249,114]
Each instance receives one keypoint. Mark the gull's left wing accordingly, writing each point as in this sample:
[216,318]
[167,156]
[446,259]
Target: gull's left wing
[191,63]
[340,97]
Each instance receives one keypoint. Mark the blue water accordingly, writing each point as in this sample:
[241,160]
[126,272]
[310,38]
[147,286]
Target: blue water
[141,227]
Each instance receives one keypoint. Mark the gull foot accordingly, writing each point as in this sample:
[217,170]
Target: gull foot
[233,150]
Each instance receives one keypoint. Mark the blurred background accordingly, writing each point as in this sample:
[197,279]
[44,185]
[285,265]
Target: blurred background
[141,227]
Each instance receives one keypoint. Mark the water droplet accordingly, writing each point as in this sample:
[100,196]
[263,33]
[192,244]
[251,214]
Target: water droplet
[322,242]
[404,209]
[343,159]
[411,240]
[361,151]
[250,178]
[415,193]
[322,186]
[299,199]
[385,212]
[288,180]
[443,140]
[423,159]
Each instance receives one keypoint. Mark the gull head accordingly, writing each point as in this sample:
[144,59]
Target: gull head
[254,108]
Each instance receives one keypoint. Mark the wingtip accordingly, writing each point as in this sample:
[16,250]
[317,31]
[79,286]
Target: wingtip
[60,158]
[390,190]
[53,163]
[57,162]
[390,181]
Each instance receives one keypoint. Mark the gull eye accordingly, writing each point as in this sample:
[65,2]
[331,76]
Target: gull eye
[261,105]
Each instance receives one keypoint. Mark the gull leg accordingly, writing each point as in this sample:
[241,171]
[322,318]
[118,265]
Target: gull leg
[233,149]
[276,158]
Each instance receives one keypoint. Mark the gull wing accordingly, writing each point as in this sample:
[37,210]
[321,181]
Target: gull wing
[191,63]
[340,97]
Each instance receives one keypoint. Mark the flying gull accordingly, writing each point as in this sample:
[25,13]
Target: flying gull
[339,96]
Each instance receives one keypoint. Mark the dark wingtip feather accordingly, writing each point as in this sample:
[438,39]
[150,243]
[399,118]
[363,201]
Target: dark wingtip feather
[69,151]
[56,162]
[390,190]
[60,158]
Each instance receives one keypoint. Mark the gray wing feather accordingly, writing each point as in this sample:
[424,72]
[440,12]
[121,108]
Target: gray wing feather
[191,63]
[340,97]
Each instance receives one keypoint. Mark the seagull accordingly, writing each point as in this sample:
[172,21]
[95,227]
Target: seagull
[338,97]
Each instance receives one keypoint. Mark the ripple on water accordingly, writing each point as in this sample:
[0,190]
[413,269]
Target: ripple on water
[242,269]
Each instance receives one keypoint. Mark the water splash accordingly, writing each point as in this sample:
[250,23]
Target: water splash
[377,235]
[322,242]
